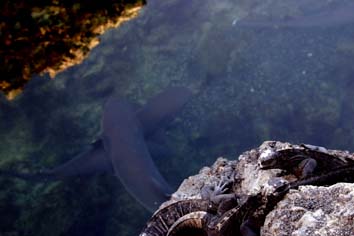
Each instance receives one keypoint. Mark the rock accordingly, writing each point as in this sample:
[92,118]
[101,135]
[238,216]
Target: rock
[272,201]
[313,211]
[50,36]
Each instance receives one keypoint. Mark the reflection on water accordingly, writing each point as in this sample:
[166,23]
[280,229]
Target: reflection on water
[253,84]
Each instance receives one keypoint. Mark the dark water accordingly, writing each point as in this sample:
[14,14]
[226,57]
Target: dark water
[253,84]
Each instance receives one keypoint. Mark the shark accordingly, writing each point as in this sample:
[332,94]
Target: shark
[336,16]
[122,150]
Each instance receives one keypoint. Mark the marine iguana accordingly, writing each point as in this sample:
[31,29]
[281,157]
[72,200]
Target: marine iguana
[121,150]
[245,214]
[304,160]
[192,216]
[248,216]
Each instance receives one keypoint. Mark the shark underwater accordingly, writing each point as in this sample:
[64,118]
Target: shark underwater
[122,150]
[332,17]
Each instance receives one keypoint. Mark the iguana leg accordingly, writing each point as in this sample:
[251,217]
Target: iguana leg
[209,191]
[219,200]
[306,167]
[216,192]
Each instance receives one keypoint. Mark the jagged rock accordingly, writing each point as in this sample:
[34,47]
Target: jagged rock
[266,197]
[313,211]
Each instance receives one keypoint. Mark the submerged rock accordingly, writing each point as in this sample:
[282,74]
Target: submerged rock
[262,193]
[50,36]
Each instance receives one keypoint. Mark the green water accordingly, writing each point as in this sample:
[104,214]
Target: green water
[252,85]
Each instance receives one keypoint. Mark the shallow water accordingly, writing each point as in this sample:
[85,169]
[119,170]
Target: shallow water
[252,84]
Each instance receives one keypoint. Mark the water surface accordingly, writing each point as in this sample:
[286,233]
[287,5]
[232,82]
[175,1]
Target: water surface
[252,84]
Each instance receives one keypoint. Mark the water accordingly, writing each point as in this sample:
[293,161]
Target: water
[253,84]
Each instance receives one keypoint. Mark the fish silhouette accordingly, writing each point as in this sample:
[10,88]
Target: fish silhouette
[122,149]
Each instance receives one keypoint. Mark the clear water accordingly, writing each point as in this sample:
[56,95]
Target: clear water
[252,84]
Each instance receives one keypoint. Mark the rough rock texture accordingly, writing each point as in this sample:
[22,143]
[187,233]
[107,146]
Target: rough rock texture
[50,36]
[308,210]
[313,211]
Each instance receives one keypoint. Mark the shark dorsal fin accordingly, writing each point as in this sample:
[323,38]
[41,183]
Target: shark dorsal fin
[162,108]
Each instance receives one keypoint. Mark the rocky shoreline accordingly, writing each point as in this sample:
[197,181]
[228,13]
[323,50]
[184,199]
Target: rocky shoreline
[302,210]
